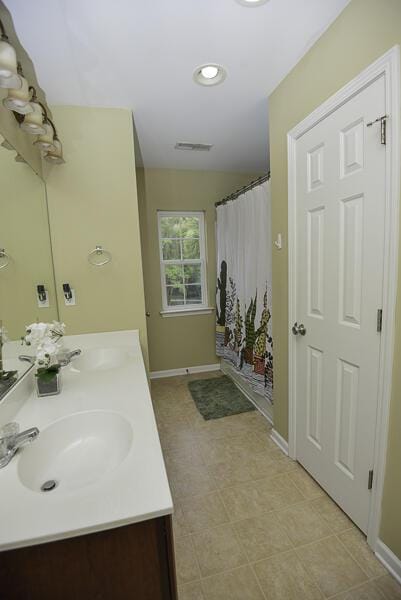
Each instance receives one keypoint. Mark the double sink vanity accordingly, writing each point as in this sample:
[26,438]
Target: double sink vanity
[86,506]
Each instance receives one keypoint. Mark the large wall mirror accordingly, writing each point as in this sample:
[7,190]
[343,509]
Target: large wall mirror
[25,258]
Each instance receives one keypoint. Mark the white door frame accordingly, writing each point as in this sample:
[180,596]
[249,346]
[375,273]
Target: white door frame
[389,65]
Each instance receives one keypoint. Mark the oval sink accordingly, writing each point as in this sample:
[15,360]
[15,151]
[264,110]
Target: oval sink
[76,451]
[100,359]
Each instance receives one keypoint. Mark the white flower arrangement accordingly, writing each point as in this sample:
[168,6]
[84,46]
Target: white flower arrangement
[45,339]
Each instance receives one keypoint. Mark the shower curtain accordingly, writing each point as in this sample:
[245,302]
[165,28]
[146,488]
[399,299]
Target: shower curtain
[243,307]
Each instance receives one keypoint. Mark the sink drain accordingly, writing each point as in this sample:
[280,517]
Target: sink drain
[48,486]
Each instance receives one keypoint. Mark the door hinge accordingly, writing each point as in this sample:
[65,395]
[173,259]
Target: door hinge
[370,479]
[379,320]
[383,128]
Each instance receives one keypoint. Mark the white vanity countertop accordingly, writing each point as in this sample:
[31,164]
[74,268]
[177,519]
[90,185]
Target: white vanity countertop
[135,490]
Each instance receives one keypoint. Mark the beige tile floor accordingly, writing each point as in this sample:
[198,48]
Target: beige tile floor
[249,523]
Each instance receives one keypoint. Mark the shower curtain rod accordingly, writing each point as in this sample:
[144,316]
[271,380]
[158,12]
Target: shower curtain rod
[244,189]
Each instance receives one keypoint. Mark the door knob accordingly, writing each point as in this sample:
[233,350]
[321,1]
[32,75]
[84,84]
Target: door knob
[298,329]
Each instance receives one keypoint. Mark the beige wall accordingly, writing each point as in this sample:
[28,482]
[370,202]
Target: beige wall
[93,200]
[183,341]
[24,234]
[364,31]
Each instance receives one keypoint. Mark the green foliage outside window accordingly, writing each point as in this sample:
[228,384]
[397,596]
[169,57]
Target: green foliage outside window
[181,242]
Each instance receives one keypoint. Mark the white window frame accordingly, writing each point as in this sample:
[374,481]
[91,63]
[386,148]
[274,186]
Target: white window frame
[184,308]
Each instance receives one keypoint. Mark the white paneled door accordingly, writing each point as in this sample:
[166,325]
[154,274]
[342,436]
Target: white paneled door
[339,247]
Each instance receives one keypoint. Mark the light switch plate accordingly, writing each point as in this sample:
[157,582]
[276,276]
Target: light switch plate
[44,303]
[72,301]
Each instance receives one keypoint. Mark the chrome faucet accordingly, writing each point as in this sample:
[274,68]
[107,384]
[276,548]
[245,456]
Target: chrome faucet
[27,358]
[68,356]
[63,361]
[11,441]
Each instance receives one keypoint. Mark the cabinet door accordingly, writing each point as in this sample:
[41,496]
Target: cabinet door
[135,561]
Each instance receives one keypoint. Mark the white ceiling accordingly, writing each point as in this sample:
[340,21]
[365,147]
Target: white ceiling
[141,55]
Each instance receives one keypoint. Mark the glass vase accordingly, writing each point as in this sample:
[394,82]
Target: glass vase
[48,387]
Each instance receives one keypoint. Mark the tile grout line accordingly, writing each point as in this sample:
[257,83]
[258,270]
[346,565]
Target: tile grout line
[294,548]
[182,583]
[257,581]
[327,521]
[197,561]
[320,495]
[258,515]
[347,552]
[245,554]
[268,478]
[202,577]
[280,475]
[304,500]
[217,426]
[252,563]
[370,577]
[309,576]
[243,551]
[356,587]
[231,571]
[307,571]
[240,521]
[232,523]
[199,431]
[217,491]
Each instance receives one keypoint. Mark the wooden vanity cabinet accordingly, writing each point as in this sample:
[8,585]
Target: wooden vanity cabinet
[133,562]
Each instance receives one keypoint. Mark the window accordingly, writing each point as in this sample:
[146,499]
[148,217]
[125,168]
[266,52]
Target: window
[182,260]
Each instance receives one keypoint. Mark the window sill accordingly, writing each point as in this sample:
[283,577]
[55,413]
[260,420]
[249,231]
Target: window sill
[187,312]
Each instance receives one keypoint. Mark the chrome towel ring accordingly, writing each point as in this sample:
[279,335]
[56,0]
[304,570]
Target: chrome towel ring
[99,256]
[4,258]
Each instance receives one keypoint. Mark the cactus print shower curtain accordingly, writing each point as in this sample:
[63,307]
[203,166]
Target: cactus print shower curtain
[243,307]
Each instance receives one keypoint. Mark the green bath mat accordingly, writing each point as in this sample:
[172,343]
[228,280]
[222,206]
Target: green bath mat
[218,397]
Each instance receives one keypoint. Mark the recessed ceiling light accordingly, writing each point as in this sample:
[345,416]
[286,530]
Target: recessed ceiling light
[252,2]
[209,74]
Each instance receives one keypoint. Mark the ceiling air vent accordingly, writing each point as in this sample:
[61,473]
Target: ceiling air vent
[190,146]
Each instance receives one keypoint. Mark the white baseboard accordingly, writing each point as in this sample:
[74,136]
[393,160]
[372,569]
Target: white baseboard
[268,416]
[280,441]
[389,560]
[184,371]
[263,407]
